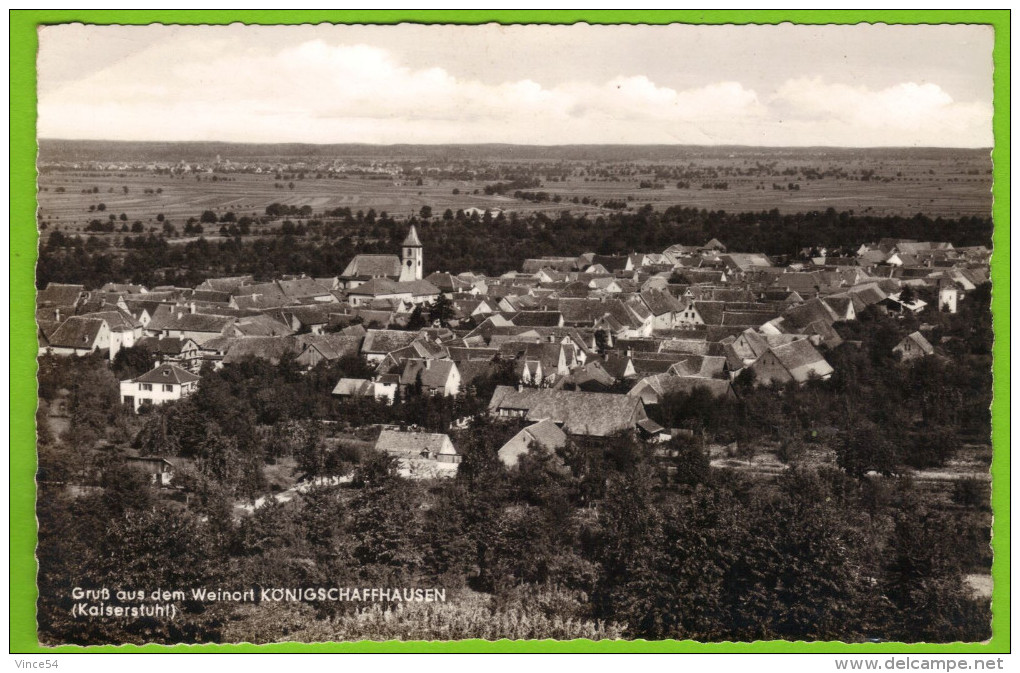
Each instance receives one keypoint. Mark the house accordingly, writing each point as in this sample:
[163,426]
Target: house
[663,306]
[913,346]
[380,342]
[123,288]
[165,383]
[364,268]
[576,412]
[539,362]
[259,296]
[171,321]
[652,389]
[228,284]
[272,349]
[899,304]
[260,326]
[318,347]
[417,445]
[948,297]
[307,319]
[377,390]
[60,294]
[701,313]
[79,335]
[412,291]
[306,289]
[437,377]
[159,471]
[795,361]
[182,352]
[544,436]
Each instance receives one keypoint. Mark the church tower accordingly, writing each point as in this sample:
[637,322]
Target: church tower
[410,268]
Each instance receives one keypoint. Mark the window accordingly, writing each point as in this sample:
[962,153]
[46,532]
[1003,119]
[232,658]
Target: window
[168,388]
[145,386]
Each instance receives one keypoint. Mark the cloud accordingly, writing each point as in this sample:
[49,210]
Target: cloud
[907,113]
[314,91]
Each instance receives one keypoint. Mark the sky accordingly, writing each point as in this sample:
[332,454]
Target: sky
[786,85]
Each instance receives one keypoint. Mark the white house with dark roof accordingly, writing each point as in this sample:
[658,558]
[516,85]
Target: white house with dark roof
[165,383]
[79,335]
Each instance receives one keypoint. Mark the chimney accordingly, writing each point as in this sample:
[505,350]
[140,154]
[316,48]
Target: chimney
[57,314]
[191,306]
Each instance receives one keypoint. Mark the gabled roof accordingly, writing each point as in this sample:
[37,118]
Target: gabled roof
[799,317]
[225,284]
[269,348]
[59,294]
[579,413]
[372,266]
[167,345]
[386,340]
[544,435]
[537,319]
[303,287]
[77,332]
[711,312]
[918,339]
[666,384]
[330,346]
[354,387]
[414,444]
[117,319]
[261,325]
[800,358]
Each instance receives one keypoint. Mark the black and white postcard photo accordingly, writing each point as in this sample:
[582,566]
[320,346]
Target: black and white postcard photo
[428,332]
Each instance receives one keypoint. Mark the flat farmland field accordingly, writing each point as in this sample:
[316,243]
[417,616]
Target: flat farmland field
[936,183]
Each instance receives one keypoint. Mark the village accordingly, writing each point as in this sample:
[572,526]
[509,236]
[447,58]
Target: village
[583,345]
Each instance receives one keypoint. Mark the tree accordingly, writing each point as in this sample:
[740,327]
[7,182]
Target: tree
[417,319]
[425,212]
[864,448]
[441,309]
[208,217]
[132,362]
[907,295]
[689,460]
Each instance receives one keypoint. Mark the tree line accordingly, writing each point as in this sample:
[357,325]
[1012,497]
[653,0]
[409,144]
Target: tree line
[492,245]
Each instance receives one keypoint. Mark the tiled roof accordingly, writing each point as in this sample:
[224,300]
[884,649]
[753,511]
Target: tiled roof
[579,413]
[167,374]
[77,332]
[373,266]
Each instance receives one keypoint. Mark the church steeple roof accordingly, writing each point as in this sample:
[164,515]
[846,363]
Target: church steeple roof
[412,239]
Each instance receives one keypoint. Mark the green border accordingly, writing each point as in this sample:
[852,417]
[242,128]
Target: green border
[23,45]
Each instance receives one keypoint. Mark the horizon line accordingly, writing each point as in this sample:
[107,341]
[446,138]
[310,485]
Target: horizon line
[512,144]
